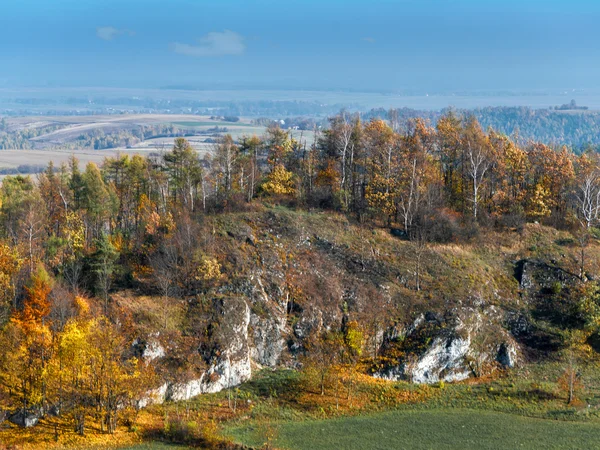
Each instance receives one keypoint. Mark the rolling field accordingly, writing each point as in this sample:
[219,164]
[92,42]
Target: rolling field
[434,429]
[70,128]
[58,145]
[212,124]
[12,159]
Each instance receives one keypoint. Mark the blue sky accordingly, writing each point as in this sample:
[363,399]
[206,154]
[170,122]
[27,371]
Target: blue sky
[402,44]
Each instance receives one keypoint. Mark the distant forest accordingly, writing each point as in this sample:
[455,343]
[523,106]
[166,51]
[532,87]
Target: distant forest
[577,129]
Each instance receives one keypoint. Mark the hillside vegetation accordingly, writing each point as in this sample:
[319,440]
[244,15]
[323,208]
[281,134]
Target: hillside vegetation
[364,273]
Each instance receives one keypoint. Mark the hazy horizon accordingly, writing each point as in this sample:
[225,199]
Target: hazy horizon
[413,46]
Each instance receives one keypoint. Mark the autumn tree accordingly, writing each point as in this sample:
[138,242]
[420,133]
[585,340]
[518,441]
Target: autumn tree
[479,161]
[22,215]
[184,171]
[98,201]
[550,180]
[208,270]
[570,381]
[359,161]
[76,395]
[340,143]
[382,188]
[226,156]
[97,381]
[328,180]
[353,344]
[11,262]
[68,249]
[279,180]
[452,160]
[509,176]
[112,373]
[418,173]
[588,190]
[250,148]
[165,268]
[103,264]
[587,194]
[56,195]
[128,178]
[323,352]
[24,366]
[309,168]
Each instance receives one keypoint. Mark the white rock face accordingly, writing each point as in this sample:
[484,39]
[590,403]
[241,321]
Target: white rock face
[149,348]
[507,355]
[474,339]
[267,340]
[155,396]
[233,365]
[153,351]
[230,369]
[443,361]
[224,375]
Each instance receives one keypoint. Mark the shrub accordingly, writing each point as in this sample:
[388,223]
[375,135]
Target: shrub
[181,431]
[556,288]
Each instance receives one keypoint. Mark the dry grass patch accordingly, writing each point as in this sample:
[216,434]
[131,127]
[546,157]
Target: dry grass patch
[151,313]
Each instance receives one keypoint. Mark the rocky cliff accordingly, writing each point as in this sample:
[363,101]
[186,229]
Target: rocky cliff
[290,276]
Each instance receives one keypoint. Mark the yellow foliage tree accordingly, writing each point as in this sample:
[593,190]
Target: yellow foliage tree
[208,269]
[24,368]
[380,195]
[279,182]
[96,381]
[10,265]
[540,202]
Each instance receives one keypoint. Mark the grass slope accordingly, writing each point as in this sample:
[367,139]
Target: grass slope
[439,429]
[156,446]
